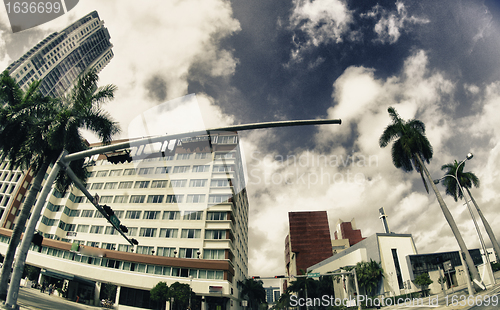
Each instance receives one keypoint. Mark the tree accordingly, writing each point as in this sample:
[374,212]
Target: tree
[304,287]
[254,292]
[409,151]
[369,275]
[467,180]
[34,130]
[160,294]
[181,294]
[423,280]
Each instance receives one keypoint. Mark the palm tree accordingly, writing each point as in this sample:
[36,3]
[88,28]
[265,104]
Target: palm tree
[409,151]
[467,180]
[304,287]
[34,130]
[369,275]
[254,291]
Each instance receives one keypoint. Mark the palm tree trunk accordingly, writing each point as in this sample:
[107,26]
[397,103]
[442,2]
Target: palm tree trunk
[18,230]
[486,226]
[26,242]
[451,222]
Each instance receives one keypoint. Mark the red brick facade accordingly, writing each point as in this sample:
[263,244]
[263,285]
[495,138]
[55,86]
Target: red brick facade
[309,238]
[346,231]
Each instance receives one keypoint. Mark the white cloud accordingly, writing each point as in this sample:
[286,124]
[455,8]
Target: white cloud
[322,21]
[390,24]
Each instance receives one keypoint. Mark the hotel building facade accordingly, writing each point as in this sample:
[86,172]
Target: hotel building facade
[187,206]
[58,59]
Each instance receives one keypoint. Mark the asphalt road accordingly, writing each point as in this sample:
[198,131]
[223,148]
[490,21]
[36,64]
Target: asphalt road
[33,299]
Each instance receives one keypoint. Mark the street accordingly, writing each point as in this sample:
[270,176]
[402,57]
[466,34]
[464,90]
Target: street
[33,299]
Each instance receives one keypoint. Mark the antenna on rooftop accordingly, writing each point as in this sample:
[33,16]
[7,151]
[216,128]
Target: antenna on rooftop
[383,217]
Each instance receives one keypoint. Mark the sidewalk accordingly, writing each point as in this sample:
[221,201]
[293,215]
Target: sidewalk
[44,296]
[454,300]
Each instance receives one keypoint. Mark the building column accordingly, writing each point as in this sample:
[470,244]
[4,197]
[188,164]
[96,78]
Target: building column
[97,293]
[117,297]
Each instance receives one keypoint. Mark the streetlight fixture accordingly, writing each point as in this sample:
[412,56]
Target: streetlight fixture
[490,271]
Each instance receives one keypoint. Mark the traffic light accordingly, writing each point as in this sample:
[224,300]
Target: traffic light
[37,239]
[134,241]
[124,228]
[108,210]
[279,277]
[256,277]
[119,157]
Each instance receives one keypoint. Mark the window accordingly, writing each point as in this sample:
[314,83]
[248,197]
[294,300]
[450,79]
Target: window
[111,185]
[213,254]
[97,186]
[131,171]
[151,215]
[102,173]
[168,232]
[155,198]
[141,249]
[159,184]
[216,216]
[133,215]
[119,214]
[174,198]
[125,247]
[181,169]
[219,183]
[132,231]
[149,170]
[169,252]
[125,185]
[96,229]
[115,173]
[107,246]
[137,198]
[188,253]
[79,199]
[171,215]
[201,168]
[219,198]
[49,222]
[202,155]
[147,232]
[215,234]
[98,215]
[227,140]
[74,213]
[197,183]
[222,168]
[87,213]
[105,199]
[120,199]
[192,215]
[141,184]
[178,183]
[162,170]
[183,156]
[94,244]
[52,207]
[191,233]
[110,230]
[195,198]
[82,228]
[224,156]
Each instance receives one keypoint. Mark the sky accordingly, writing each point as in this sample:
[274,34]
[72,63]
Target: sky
[259,61]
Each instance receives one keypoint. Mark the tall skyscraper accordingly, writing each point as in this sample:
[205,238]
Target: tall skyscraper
[187,206]
[59,58]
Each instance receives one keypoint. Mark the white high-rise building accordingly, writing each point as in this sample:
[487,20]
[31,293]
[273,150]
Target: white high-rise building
[57,60]
[187,207]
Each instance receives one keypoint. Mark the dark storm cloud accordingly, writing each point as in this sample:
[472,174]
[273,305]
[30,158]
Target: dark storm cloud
[156,88]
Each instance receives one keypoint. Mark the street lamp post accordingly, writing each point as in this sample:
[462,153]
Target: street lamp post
[190,281]
[469,156]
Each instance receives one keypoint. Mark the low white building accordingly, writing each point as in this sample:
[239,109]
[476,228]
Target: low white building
[389,249]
